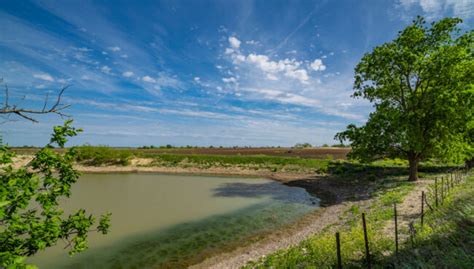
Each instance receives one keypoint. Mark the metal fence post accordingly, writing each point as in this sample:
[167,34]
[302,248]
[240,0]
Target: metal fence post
[396,227]
[366,239]
[338,248]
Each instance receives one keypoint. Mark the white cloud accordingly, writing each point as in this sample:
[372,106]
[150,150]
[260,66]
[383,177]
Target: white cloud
[440,8]
[317,65]
[272,77]
[252,42]
[197,79]
[85,77]
[105,69]
[127,74]
[115,48]
[230,80]
[44,76]
[149,79]
[288,67]
[299,74]
[84,49]
[234,42]
[283,97]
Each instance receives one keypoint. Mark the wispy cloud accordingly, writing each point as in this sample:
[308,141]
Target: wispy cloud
[437,8]
[44,76]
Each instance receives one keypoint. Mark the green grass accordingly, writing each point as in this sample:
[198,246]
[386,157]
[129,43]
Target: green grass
[447,240]
[271,163]
[103,155]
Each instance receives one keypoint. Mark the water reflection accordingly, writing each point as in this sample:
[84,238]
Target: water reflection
[274,190]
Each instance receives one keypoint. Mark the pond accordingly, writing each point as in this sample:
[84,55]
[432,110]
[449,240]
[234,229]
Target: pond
[171,221]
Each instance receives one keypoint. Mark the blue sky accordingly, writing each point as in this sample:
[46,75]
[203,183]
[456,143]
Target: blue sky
[257,73]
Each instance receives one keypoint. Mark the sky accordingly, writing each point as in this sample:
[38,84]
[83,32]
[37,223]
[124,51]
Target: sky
[222,73]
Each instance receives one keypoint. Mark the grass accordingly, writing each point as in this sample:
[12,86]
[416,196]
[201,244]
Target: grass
[271,163]
[103,155]
[446,241]
[447,238]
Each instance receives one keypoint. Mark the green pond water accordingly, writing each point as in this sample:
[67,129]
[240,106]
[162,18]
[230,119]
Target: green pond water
[171,221]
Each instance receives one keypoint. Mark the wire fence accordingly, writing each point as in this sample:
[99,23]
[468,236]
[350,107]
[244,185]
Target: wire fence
[429,202]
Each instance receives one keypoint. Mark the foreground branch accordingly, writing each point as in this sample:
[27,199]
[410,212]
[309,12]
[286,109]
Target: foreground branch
[55,108]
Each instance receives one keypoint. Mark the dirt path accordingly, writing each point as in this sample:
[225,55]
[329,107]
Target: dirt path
[408,210]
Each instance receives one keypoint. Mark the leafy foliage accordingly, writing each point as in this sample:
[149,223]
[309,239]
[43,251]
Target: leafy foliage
[421,87]
[30,216]
[103,155]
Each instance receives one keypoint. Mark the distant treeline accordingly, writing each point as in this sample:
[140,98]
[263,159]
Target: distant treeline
[298,146]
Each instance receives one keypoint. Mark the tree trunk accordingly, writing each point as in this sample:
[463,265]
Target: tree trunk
[470,163]
[413,161]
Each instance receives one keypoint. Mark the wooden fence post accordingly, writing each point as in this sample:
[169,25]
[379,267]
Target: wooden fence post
[366,239]
[422,207]
[338,248]
[447,184]
[436,192]
[442,190]
[396,227]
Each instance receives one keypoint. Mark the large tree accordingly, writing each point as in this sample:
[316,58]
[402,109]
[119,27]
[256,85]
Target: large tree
[421,87]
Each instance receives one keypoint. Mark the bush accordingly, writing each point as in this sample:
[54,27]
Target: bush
[102,155]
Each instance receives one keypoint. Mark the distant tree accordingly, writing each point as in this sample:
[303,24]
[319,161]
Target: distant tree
[421,87]
[469,138]
[340,145]
[303,145]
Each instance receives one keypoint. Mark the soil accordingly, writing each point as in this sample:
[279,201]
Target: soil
[408,210]
[313,153]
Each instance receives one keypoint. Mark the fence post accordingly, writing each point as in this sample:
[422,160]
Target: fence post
[442,190]
[452,180]
[366,239]
[447,184]
[422,207]
[436,192]
[396,227]
[338,248]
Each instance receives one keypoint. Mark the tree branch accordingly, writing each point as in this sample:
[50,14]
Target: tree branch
[56,108]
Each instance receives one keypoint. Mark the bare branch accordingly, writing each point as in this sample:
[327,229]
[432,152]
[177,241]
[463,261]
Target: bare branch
[56,108]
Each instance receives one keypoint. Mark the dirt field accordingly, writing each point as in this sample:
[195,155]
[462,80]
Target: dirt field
[313,153]
[316,153]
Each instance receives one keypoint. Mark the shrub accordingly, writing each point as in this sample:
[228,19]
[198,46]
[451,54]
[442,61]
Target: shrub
[103,155]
